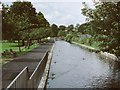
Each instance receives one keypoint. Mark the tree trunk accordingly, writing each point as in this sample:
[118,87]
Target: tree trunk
[23,42]
[28,42]
[38,41]
[19,45]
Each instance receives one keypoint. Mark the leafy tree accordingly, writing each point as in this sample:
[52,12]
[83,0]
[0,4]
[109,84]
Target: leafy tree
[39,33]
[24,9]
[41,21]
[62,27]
[54,29]
[104,22]
[19,19]
[7,29]
[76,27]
[83,28]
[71,35]
[62,33]
[70,27]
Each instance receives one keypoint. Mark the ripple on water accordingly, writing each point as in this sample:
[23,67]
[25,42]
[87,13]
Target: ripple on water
[80,68]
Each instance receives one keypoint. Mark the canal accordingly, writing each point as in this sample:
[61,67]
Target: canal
[74,67]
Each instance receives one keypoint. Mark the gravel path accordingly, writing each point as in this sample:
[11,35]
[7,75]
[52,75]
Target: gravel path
[30,59]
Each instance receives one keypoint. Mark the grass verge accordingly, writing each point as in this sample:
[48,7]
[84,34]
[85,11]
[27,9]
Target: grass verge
[14,47]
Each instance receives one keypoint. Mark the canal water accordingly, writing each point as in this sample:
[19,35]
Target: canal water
[74,67]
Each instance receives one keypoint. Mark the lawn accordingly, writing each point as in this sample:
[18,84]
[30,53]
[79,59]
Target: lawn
[14,46]
[24,50]
[85,41]
[7,46]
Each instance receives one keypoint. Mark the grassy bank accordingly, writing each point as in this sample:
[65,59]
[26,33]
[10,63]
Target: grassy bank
[14,46]
[88,42]
[8,45]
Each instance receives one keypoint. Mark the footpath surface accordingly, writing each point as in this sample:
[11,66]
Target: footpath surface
[30,59]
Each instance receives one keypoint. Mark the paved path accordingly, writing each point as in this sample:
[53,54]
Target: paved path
[31,59]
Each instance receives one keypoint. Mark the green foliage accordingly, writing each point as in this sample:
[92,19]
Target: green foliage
[23,9]
[41,21]
[103,25]
[84,28]
[69,37]
[19,19]
[39,33]
[88,41]
[8,45]
[62,27]
[22,22]
[62,33]
[14,46]
[77,27]
[54,30]
[70,27]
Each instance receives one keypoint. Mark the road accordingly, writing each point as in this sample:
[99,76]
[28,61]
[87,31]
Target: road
[74,67]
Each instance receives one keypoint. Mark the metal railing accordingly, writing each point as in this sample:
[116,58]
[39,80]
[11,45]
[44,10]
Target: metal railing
[20,80]
[23,80]
[38,72]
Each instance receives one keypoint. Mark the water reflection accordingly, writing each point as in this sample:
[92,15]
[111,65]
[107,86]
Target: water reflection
[73,67]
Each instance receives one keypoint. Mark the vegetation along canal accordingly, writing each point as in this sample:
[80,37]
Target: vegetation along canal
[74,67]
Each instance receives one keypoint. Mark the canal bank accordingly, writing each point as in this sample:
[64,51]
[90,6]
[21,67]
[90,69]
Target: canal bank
[74,67]
[102,54]
[44,78]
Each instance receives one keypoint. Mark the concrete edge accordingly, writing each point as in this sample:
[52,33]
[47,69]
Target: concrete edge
[105,55]
[86,47]
[44,78]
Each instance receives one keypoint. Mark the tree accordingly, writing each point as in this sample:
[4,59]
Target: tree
[19,20]
[62,27]
[84,28]
[54,29]
[104,22]
[39,33]
[70,27]
[7,29]
[41,21]
[76,27]
[24,9]
[62,33]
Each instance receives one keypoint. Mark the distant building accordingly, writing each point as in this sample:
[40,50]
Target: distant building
[85,36]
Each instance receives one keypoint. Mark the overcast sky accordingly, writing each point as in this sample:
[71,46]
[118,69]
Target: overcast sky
[60,11]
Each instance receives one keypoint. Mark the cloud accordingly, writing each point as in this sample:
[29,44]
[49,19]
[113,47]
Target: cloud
[48,16]
[67,17]
[61,12]
[60,0]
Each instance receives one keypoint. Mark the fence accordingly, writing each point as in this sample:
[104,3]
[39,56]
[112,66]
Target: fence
[38,72]
[20,80]
[23,80]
